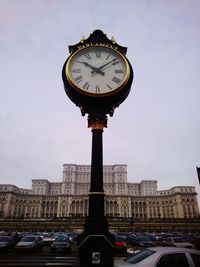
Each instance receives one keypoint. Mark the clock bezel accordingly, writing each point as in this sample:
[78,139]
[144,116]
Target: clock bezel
[94,94]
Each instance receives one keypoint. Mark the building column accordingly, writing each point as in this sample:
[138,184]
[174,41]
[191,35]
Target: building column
[129,207]
[7,205]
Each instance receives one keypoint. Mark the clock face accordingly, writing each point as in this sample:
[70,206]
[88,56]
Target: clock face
[97,70]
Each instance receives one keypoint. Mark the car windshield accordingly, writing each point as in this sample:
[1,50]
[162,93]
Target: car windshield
[28,238]
[61,238]
[119,239]
[73,234]
[4,238]
[143,238]
[141,255]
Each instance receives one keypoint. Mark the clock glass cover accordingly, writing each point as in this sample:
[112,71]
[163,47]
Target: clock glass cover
[97,70]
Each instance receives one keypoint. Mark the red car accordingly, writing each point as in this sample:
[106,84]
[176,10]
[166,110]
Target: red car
[120,244]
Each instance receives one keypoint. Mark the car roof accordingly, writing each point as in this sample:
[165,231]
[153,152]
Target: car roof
[174,249]
[61,235]
[31,236]
[175,236]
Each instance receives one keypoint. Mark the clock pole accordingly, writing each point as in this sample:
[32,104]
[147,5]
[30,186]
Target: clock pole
[97,93]
[96,243]
[96,193]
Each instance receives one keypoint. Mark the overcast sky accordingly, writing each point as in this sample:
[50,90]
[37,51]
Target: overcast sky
[156,131]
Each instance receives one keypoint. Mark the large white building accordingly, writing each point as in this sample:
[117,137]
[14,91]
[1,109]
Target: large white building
[76,181]
[122,199]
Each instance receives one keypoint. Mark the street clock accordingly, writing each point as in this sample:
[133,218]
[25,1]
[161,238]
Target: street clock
[97,75]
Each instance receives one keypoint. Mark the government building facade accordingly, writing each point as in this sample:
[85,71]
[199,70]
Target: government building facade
[69,198]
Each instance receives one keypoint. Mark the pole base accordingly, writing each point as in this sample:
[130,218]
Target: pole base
[96,250]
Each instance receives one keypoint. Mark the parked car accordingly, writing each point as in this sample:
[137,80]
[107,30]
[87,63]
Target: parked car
[177,242]
[196,242]
[131,241]
[30,243]
[192,238]
[61,243]
[48,240]
[152,237]
[7,242]
[120,244]
[123,234]
[144,241]
[162,257]
[73,236]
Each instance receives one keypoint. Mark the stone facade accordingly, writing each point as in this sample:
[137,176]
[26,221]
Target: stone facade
[70,197]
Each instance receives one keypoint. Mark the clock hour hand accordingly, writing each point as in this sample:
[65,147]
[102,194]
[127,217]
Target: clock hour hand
[94,69]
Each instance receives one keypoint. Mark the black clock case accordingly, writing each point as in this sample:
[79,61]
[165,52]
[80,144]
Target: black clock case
[97,106]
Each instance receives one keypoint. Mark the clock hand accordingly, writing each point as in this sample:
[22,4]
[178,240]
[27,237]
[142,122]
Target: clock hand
[94,69]
[98,70]
[88,65]
[101,67]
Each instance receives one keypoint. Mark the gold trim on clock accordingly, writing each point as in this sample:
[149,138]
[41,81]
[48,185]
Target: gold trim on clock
[95,94]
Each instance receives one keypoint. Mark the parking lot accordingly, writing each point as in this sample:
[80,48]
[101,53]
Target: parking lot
[54,250]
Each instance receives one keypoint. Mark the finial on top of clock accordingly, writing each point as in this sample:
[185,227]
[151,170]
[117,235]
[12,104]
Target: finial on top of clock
[97,38]
[82,39]
[113,40]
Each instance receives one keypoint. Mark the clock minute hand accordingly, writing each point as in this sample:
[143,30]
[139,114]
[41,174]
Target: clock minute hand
[98,70]
[101,67]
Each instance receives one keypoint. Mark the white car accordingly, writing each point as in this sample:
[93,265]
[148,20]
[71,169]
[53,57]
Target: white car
[30,243]
[177,241]
[162,257]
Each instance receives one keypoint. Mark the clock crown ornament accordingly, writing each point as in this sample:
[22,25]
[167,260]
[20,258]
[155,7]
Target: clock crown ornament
[97,75]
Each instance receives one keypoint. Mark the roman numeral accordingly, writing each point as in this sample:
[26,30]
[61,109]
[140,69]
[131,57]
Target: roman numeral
[116,80]
[115,62]
[119,71]
[78,79]
[86,86]
[109,86]
[97,89]
[76,70]
[98,53]
[87,56]
[107,57]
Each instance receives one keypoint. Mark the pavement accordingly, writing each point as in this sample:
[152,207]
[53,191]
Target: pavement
[44,258]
